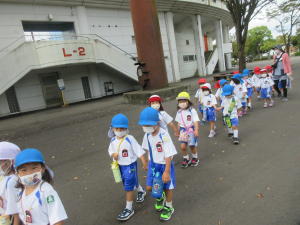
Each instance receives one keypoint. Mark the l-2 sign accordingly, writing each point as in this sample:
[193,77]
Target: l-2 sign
[81,52]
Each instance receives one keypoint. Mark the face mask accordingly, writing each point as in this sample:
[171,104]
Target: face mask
[156,106]
[2,172]
[31,179]
[182,105]
[206,93]
[228,96]
[264,75]
[149,130]
[246,77]
[277,52]
[120,134]
[201,85]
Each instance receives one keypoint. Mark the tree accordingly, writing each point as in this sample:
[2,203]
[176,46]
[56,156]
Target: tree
[234,53]
[258,35]
[296,39]
[242,12]
[268,45]
[287,13]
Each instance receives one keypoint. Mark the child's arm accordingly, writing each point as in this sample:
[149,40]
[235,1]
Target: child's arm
[196,133]
[166,175]
[145,165]
[59,223]
[17,220]
[178,126]
[244,95]
[215,106]
[174,128]
[196,102]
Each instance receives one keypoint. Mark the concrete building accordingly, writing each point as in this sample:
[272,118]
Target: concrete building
[91,46]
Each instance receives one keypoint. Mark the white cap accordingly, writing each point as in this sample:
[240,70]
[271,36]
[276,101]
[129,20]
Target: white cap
[206,85]
[8,150]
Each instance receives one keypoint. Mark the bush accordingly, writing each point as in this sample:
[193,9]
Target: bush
[297,54]
[255,59]
[264,58]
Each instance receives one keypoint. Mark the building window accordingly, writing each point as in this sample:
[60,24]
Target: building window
[133,39]
[188,58]
[50,31]
[187,42]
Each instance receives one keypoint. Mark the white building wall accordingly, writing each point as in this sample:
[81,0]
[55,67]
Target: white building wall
[187,69]
[4,109]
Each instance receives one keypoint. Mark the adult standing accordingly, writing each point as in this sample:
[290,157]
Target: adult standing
[281,69]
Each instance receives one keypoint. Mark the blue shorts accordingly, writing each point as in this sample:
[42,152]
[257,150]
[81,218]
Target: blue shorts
[264,93]
[182,128]
[200,108]
[161,168]
[287,84]
[211,114]
[258,89]
[234,121]
[250,92]
[129,176]
[244,104]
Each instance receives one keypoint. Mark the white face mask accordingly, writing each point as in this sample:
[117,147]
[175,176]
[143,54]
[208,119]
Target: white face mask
[206,93]
[183,105]
[277,52]
[264,75]
[31,179]
[201,85]
[120,134]
[149,130]
[228,96]
[156,106]
[246,77]
[4,172]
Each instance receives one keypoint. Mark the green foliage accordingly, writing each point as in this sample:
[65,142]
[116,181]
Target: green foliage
[297,54]
[264,58]
[268,45]
[255,59]
[257,36]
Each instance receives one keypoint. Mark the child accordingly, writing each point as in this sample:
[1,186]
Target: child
[266,85]
[165,118]
[231,105]
[159,142]
[249,85]
[209,103]
[199,96]
[256,76]
[8,181]
[187,117]
[129,150]
[219,96]
[269,71]
[240,91]
[38,203]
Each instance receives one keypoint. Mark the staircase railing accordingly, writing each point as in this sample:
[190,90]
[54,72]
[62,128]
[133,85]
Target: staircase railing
[209,57]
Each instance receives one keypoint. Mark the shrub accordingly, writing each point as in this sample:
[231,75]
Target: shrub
[255,59]
[264,58]
[297,54]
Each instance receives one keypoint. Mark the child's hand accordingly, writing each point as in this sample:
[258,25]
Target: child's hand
[115,156]
[196,134]
[195,105]
[166,177]
[145,167]
[201,103]
[176,134]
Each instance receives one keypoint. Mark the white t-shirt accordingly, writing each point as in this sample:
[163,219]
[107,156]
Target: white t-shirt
[161,145]
[165,119]
[270,75]
[209,100]
[129,151]
[249,82]
[256,78]
[219,94]
[265,83]
[8,192]
[199,95]
[42,206]
[189,116]
[226,104]
[239,90]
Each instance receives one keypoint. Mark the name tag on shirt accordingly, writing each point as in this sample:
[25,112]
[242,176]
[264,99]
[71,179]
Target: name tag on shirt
[159,147]
[189,118]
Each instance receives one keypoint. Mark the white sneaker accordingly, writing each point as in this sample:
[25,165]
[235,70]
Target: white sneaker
[212,134]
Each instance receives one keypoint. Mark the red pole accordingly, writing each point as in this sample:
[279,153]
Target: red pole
[152,70]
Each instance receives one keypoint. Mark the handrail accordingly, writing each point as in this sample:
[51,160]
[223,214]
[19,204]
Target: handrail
[65,36]
[208,59]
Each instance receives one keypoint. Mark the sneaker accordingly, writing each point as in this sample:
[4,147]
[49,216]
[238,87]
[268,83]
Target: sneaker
[167,213]
[240,114]
[258,99]
[265,105]
[194,162]
[160,202]
[271,103]
[284,99]
[236,141]
[126,214]
[278,96]
[230,135]
[185,163]
[203,122]
[212,134]
[249,106]
[141,195]
[244,112]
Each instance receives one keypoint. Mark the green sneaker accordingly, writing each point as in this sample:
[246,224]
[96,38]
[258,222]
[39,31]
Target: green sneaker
[167,213]
[160,202]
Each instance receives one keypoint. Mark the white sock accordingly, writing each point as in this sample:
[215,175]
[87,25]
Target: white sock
[203,119]
[169,204]
[249,104]
[129,205]
[230,130]
[212,131]
[236,133]
[195,156]
[258,96]
[140,189]
[186,157]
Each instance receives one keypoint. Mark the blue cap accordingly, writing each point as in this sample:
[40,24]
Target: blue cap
[237,76]
[227,89]
[149,116]
[28,156]
[223,81]
[246,72]
[119,121]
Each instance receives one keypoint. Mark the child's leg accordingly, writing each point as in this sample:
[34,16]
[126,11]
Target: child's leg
[249,100]
[265,100]
[169,197]
[235,131]
[194,152]
[184,150]
[149,188]
[212,129]
[129,197]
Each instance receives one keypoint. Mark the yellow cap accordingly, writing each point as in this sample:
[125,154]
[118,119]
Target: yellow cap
[183,95]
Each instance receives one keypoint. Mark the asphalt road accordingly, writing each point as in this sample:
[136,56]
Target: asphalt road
[222,189]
